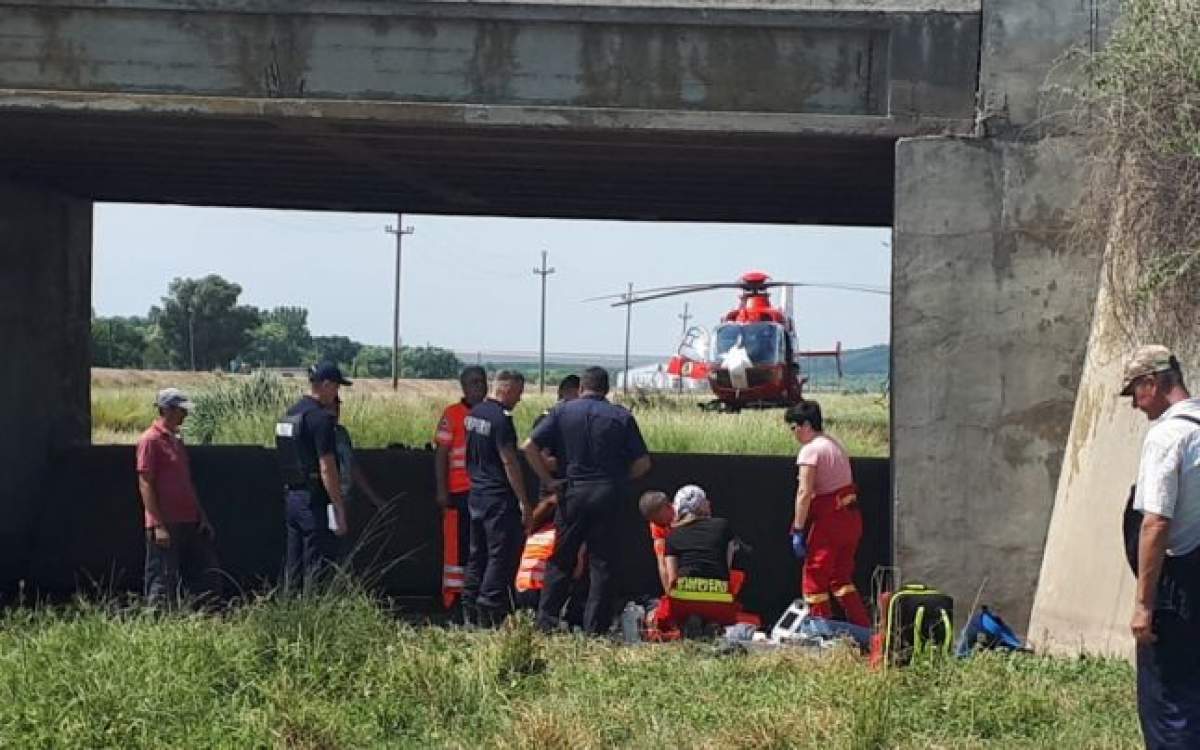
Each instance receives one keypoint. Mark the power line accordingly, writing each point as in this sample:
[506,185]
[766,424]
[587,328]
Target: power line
[396,230]
[543,272]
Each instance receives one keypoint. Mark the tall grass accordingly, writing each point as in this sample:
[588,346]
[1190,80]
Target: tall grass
[244,410]
[334,671]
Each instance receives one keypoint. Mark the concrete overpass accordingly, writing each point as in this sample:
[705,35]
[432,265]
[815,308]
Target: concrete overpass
[922,114]
[772,112]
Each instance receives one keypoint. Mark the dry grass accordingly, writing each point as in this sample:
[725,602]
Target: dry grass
[377,417]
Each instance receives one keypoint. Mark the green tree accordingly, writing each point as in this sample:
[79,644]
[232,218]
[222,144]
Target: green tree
[339,349]
[119,342]
[431,362]
[373,362]
[281,339]
[202,316]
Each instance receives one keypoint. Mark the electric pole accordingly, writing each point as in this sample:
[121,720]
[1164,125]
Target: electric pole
[396,230]
[543,272]
[685,318]
[192,337]
[628,325]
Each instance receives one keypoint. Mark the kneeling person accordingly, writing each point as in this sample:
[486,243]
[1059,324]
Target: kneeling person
[699,554]
[656,508]
[497,503]
[539,548]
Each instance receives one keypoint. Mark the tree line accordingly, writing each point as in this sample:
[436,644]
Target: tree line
[199,325]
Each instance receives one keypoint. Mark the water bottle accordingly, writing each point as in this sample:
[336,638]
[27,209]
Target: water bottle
[631,622]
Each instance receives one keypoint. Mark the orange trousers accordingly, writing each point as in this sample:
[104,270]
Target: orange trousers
[833,534]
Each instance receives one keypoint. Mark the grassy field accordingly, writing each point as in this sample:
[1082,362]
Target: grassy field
[336,672]
[240,409]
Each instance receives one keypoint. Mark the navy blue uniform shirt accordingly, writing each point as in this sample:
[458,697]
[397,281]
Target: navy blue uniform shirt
[489,428]
[596,439]
[316,435]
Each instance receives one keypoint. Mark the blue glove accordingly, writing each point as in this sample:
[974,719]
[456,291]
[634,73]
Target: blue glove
[799,548]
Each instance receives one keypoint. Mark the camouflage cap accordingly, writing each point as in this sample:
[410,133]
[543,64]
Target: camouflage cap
[1147,360]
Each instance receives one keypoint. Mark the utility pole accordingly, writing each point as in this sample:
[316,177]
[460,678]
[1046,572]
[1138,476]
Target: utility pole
[543,272]
[628,326]
[685,318]
[396,230]
[192,337]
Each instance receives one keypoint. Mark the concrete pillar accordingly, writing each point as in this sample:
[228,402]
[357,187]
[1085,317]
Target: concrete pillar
[45,314]
[989,327]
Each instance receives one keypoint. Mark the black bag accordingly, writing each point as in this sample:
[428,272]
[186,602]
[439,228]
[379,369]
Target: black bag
[919,620]
[1179,582]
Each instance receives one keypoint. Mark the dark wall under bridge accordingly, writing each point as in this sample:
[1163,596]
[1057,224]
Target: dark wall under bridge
[89,534]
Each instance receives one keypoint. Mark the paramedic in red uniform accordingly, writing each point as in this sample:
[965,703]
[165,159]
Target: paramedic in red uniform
[827,524]
[454,483]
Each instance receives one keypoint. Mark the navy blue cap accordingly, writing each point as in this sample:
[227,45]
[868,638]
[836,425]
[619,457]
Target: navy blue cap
[327,371]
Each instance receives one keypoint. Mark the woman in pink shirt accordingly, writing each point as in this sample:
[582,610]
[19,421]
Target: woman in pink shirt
[827,524]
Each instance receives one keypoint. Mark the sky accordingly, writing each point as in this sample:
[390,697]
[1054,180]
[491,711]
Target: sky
[468,283]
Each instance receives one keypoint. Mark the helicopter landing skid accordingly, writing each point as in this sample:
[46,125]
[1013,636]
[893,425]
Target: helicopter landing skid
[725,408]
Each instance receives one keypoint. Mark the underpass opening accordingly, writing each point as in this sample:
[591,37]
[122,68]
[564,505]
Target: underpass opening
[467,285]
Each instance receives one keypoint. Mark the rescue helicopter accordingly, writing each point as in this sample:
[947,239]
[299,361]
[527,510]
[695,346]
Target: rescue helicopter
[750,358]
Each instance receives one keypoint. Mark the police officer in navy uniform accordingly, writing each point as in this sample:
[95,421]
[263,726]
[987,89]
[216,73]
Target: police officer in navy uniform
[498,503]
[602,449]
[306,445]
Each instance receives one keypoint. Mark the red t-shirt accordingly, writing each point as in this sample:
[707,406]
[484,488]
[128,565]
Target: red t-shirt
[162,457]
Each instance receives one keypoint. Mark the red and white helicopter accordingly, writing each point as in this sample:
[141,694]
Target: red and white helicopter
[750,358]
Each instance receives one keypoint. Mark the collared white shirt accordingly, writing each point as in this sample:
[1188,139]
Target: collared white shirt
[1169,475]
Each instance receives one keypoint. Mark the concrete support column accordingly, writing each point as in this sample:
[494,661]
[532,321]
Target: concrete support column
[45,321]
[989,329]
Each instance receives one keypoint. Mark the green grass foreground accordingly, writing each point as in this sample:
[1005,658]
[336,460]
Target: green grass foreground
[338,672]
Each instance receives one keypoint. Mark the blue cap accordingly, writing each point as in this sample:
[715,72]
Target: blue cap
[327,371]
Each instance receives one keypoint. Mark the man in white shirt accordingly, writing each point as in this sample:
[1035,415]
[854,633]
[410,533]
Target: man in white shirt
[1166,612]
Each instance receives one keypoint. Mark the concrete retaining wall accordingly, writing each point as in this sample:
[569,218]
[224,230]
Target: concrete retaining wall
[89,533]
[45,328]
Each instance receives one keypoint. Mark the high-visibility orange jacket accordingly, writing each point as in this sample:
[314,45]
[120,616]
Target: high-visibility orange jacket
[452,433]
[538,549]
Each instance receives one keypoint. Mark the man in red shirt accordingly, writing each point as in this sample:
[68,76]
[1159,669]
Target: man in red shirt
[454,483]
[179,538]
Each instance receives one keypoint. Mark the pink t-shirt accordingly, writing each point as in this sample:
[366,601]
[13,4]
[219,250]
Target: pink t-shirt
[162,457]
[831,462]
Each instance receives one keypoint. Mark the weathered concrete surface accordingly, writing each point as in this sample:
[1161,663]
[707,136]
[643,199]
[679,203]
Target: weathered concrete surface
[820,62]
[757,112]
[989,324]
[1085,591]
[1028,53]
[45,324]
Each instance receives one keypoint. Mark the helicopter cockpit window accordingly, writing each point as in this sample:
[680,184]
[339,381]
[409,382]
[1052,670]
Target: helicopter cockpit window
[763,341]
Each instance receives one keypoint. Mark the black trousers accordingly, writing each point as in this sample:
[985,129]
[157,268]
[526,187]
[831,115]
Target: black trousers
[1168,684]
[497,538]
[311,546]
[530,600]
[586,514]
[188,562]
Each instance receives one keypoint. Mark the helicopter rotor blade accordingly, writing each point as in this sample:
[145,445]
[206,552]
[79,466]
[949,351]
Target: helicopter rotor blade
[864,288]
[640,297]
[677,289]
